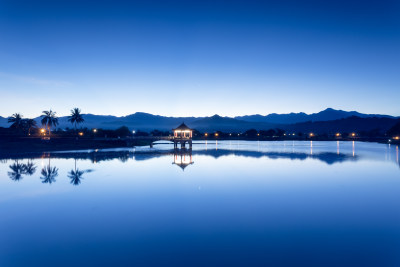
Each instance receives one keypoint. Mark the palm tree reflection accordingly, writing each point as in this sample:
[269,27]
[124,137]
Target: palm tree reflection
[17,170]
[30,168]
[49,174]
[20,169]
[76,175]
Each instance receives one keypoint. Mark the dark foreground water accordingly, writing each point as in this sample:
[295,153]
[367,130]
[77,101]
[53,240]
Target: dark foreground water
[233,203]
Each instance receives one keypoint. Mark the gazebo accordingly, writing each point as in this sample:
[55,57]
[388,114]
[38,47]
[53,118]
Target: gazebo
[182,134]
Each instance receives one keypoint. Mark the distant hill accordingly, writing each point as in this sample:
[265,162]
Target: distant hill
[217,122]
[395,130]
[3,122]
[332,120]
[328,114]
[351,124]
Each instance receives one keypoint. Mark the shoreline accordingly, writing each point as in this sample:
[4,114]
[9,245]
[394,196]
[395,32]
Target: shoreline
[25,146]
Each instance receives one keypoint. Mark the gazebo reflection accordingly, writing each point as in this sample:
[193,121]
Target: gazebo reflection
[183,158]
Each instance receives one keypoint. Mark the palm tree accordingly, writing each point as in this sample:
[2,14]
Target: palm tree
[29,124]
[18,170]
[49,119]
[16,120]
[76,117]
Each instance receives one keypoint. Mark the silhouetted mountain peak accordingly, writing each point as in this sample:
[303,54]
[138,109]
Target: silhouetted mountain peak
[147,121]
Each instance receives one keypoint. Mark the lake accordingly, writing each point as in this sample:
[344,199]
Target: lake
[225,203]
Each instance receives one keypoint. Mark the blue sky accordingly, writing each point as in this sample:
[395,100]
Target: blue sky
[197,58]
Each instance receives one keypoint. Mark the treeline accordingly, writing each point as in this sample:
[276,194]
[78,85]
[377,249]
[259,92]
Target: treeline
[25,130]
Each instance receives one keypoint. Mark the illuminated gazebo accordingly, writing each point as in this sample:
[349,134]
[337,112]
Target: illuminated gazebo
[182,135]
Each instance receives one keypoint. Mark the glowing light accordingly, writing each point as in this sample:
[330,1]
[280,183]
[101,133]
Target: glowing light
[396,137]
[133,131]
[353,134]
[337,134]
[95,130]
[311,134]
[80,133]
[206,134]
[216,134]
[42,130]
[259,134]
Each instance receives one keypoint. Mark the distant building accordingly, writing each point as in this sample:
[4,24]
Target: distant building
[182,135]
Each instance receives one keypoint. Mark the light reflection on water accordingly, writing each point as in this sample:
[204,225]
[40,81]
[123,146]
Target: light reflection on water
[225,203]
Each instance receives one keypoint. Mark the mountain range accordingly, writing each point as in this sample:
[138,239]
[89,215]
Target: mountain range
[326,120]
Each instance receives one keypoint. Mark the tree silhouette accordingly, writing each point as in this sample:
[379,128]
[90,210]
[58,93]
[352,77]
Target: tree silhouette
[75,117]
[16,120]
[29,124]
[49,119]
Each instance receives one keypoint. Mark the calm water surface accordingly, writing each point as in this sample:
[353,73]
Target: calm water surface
[231,203]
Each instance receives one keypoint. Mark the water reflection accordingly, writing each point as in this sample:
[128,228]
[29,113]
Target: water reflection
[183,158]
[20,169]
[76,175]
[30,168]
[251,203]
[17,171]
[49,174]
[337,148]
[338,152]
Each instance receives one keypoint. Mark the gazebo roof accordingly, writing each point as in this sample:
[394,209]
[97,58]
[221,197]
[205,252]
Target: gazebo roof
[182,127]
